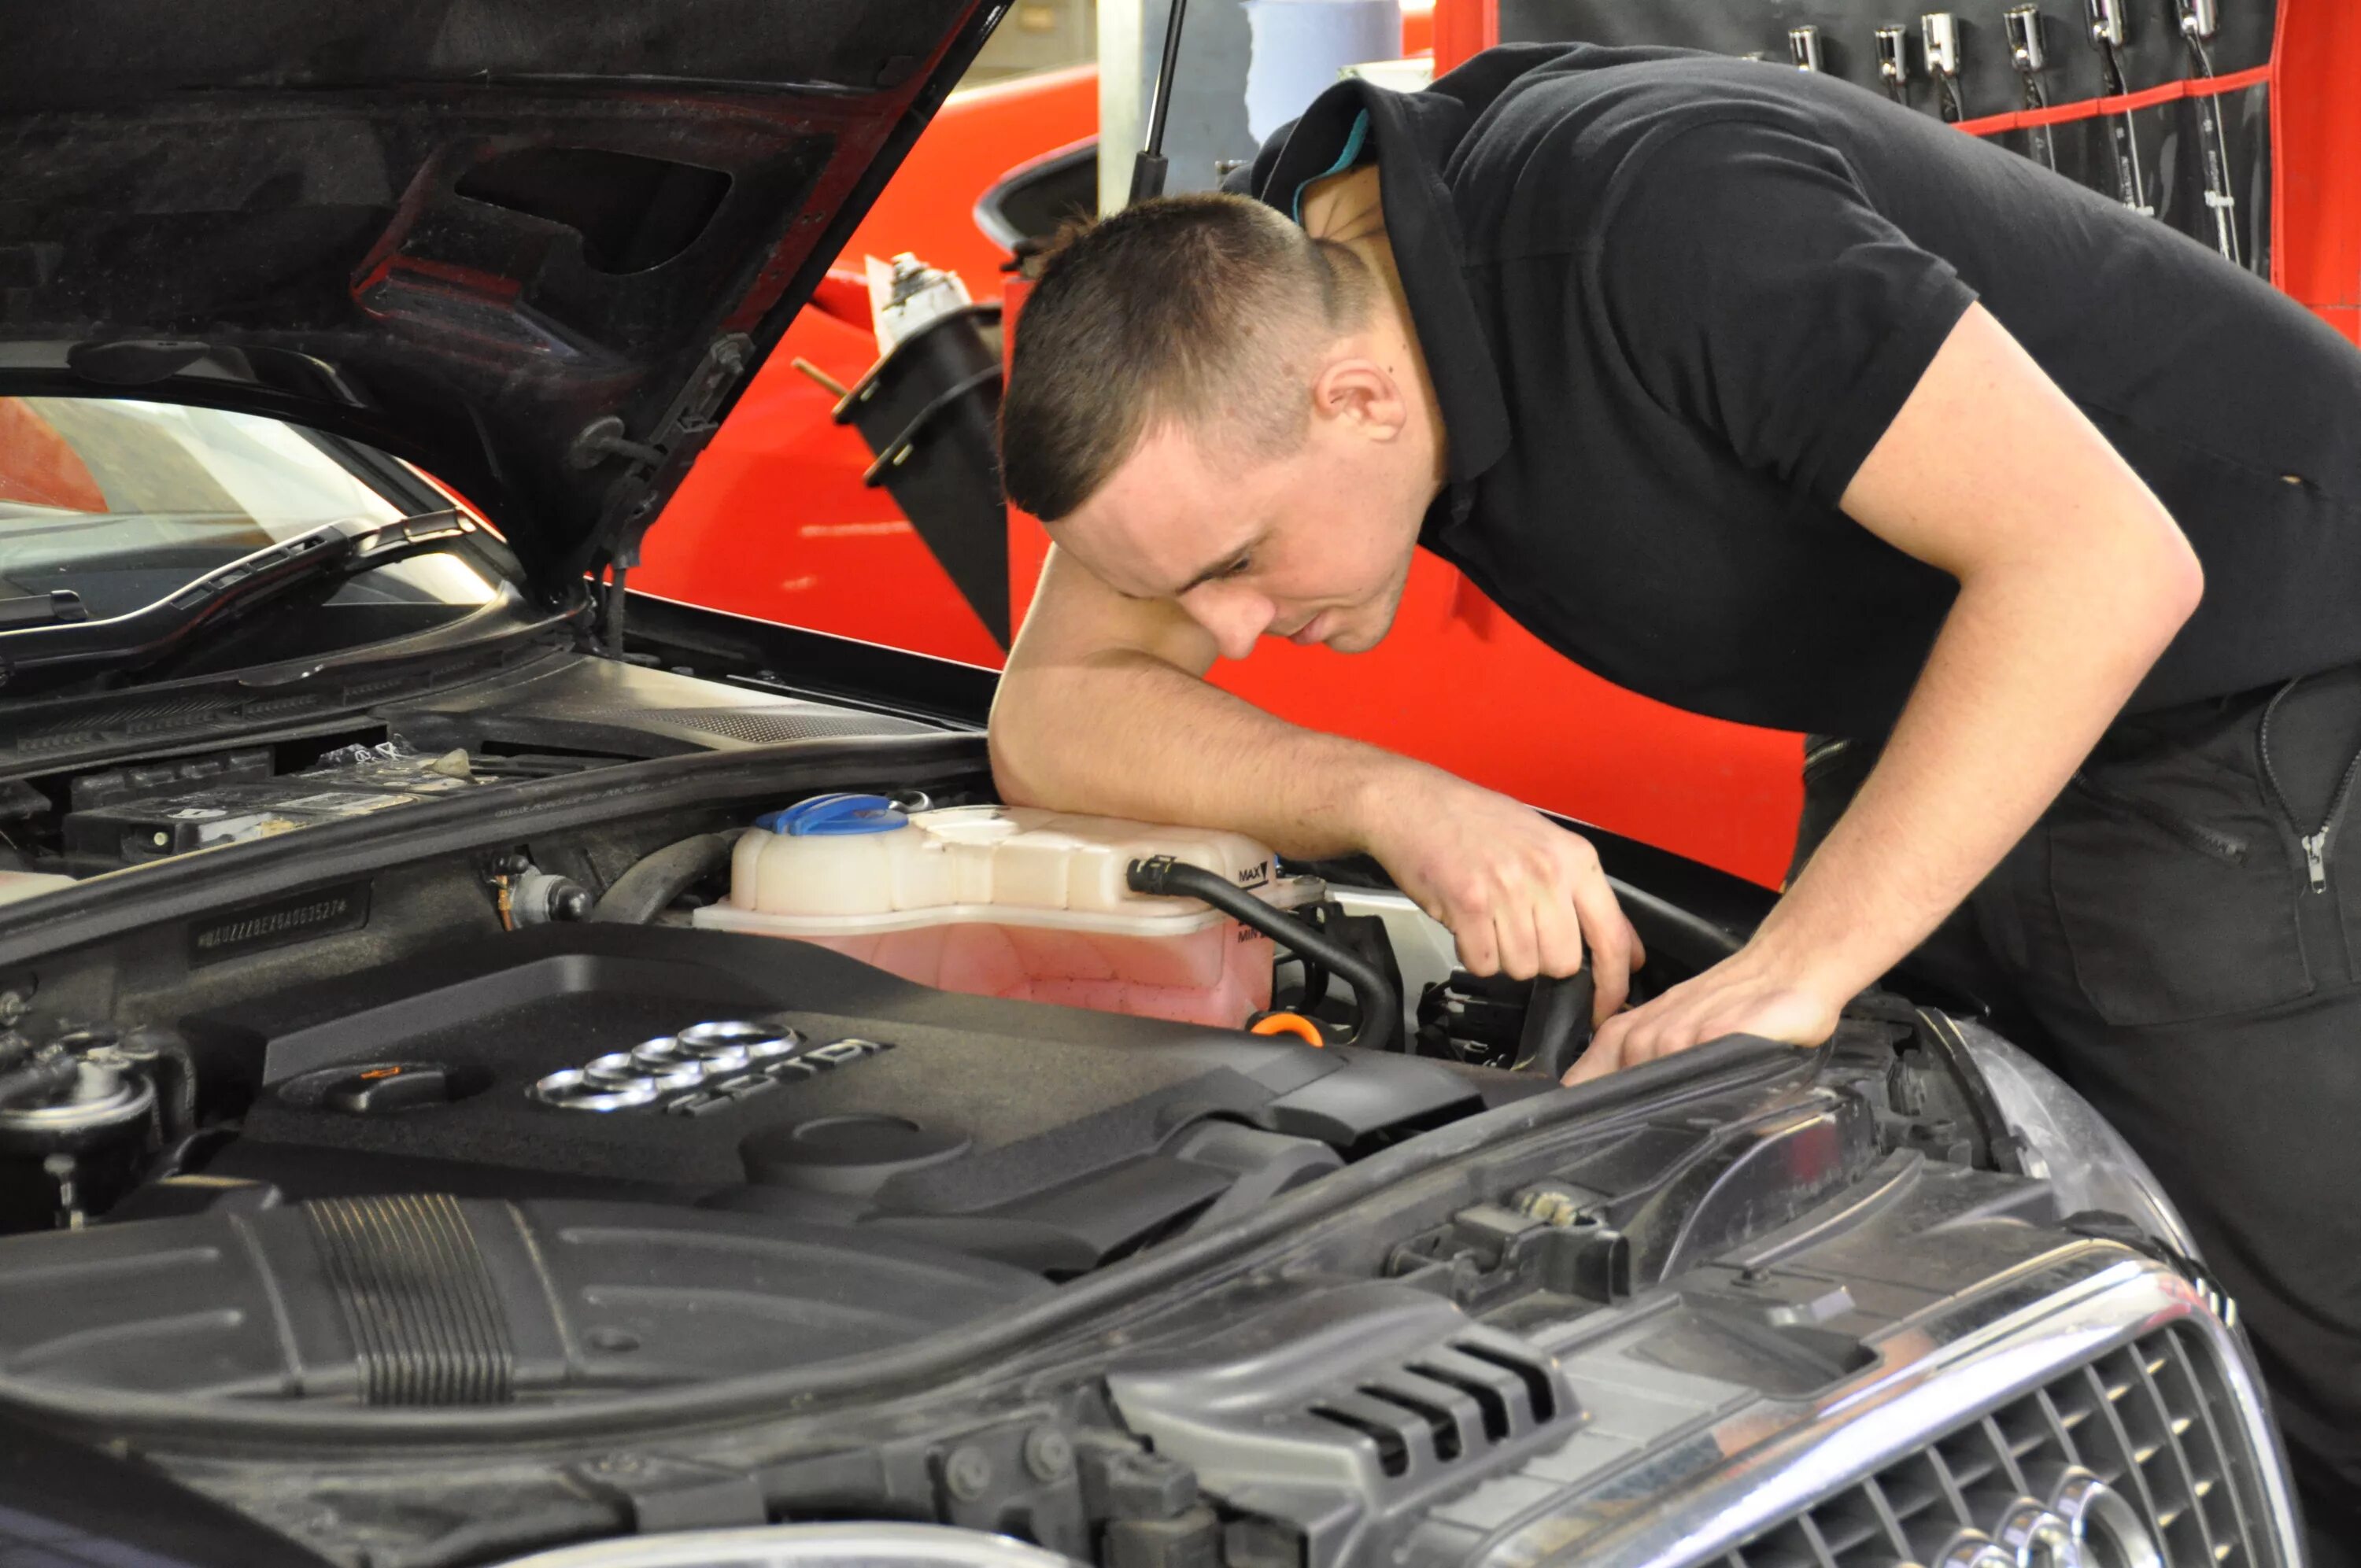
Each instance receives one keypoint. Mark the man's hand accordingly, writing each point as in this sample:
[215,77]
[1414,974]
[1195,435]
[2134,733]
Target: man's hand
[1747,993]
[1521,895]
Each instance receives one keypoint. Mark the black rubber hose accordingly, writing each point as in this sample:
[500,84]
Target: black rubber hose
[647,890]
[1378,1011]
[1557,1023]
[175,1073]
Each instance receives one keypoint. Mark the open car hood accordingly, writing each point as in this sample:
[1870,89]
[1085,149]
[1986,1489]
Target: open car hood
[535,248]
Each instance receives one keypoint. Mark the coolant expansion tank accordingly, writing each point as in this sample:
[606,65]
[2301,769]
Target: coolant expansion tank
[1009,902]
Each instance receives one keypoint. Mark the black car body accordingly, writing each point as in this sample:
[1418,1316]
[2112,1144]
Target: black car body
[331,866]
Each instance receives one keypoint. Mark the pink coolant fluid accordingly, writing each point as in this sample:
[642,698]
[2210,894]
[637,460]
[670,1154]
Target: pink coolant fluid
[1009,902]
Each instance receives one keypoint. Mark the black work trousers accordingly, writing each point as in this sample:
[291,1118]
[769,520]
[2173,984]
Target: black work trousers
[2179,935]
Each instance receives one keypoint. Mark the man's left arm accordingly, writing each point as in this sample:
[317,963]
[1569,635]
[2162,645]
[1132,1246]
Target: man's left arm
[2072,580]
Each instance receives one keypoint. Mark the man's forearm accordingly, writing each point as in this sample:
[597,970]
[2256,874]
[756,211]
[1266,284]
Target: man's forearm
[1125,734]
[2030,668]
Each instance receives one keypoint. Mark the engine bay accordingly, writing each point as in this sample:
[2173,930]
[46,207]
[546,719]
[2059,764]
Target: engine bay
[1049,1140]
[561,1116]
[900,1160]
[535,1154]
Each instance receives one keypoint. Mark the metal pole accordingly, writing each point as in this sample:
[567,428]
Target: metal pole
[1147,170]
[1123,27]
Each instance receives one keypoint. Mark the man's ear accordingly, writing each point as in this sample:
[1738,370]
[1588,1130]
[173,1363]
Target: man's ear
[1363,393]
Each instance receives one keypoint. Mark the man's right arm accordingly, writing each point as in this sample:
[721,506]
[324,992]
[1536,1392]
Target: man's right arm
[1104,708]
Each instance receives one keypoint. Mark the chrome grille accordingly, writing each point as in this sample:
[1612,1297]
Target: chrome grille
[2154,1419]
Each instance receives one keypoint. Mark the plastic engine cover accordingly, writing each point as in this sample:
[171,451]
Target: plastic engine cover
[422,1300]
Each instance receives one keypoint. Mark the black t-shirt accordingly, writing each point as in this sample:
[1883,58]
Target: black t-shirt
[1671,300]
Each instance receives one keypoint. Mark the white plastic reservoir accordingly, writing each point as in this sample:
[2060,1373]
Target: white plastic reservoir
[1010,901]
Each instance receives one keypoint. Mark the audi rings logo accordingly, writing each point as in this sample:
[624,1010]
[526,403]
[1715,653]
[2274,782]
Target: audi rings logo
[705,1068]
[2085,1524]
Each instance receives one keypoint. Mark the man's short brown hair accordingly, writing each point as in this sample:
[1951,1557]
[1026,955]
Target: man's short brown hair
[1201,310]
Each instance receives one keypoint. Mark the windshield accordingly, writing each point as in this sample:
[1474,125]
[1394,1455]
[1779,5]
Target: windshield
[125,502]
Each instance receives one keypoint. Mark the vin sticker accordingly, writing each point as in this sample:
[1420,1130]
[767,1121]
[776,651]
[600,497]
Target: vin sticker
[322,912]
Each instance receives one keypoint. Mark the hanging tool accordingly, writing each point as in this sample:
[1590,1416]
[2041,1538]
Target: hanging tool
[2200,20]
[1804,47]
[2107,38]
[1147,170]
[1893,61]
[2025,49]
[1940,32]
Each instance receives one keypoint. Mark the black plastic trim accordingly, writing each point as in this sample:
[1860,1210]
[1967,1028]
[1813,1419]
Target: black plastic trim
[181,889]
[1195,1263]
[764,655]
[430,664]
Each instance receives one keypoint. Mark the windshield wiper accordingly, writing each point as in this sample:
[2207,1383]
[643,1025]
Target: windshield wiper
[48,638]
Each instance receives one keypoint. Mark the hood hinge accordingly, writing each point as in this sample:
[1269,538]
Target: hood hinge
[657,464]
[660,455]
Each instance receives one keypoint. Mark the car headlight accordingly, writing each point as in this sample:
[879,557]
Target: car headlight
[2070,1145]
[804,1546]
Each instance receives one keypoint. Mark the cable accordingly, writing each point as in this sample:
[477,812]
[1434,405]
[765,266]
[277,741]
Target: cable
[647,890]
[1294,1024]
[1376,1010]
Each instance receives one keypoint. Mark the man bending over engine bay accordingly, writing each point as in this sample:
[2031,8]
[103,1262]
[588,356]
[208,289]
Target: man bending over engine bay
[1754,392]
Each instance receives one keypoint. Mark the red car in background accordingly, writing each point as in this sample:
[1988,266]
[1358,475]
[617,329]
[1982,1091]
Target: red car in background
[1457,683]
[782,441]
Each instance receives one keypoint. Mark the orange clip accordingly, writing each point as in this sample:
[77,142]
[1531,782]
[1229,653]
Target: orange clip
[1294,1024]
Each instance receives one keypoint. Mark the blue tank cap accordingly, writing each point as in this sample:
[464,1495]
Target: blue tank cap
[834,816]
